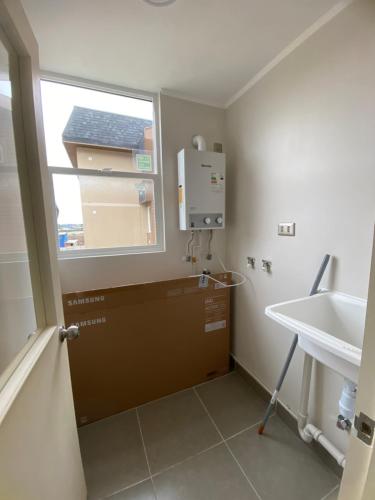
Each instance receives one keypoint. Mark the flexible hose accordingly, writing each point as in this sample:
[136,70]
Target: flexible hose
[224,285]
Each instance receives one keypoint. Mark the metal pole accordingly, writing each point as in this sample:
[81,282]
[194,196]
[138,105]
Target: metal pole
[272,403]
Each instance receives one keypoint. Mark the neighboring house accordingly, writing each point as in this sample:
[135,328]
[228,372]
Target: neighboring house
[116,211]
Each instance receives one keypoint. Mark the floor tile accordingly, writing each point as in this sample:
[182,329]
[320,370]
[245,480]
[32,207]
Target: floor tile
[232,403]
[175,428]
[143,491]
[112,453]
[212,475]
[280,465]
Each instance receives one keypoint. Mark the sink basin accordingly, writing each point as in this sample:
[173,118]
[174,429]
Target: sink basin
[330,327]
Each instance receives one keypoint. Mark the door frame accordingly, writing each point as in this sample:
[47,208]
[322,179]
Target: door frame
[358,482]
[36,195]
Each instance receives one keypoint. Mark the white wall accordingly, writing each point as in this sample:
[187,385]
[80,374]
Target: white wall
[180,120]
[301,147]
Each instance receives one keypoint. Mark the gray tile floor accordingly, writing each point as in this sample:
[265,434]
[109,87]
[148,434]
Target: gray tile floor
[202,444]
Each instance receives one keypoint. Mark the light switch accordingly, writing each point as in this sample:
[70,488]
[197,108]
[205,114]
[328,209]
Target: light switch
[287,229]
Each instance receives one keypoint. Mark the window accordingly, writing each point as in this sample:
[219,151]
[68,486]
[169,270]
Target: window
[102,152]
[19,319]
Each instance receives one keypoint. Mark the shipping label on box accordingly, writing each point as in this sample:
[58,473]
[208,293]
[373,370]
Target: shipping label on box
[215,309]
[215,325]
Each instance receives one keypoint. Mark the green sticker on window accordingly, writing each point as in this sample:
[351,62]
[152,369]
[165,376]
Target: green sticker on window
[144,162]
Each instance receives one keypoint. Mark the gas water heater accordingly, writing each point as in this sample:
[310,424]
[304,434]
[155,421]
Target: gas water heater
[201,189]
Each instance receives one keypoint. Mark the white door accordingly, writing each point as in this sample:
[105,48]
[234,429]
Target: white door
[39,450]
[358,481]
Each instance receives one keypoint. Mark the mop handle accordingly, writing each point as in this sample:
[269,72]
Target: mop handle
[314,291]
[319,276]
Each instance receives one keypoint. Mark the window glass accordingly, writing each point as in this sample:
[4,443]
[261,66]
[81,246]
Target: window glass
[104,212]
[92,129]
[17,311]
[118,203]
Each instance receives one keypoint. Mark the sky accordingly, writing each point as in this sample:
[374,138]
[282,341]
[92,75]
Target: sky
[58,101]
[5,88]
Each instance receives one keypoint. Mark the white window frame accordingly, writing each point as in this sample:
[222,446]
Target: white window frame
[156,176]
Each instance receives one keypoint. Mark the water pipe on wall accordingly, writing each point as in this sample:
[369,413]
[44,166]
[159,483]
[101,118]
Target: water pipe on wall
[347,405]
[199,142]
[309,432]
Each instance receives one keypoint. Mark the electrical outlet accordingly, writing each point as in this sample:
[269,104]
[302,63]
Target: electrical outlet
[287,229]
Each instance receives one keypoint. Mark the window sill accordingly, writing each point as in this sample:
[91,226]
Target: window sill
[109,252]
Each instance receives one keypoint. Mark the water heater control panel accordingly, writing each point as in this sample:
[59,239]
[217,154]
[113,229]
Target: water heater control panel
[201,189]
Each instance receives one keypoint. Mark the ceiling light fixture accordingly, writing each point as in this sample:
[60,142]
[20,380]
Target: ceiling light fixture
[159,3]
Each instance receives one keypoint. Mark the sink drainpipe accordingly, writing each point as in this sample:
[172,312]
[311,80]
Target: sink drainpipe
[309,432]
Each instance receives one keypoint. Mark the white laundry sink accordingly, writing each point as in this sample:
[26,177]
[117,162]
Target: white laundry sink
[330,327]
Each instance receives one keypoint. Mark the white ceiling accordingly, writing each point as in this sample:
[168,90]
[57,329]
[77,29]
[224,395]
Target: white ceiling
[206,50]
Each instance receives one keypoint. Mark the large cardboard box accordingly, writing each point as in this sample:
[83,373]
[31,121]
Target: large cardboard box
[141,342]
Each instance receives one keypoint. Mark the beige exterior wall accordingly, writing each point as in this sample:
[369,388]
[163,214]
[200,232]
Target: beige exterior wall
[105,158]
[112,214]
[148,142]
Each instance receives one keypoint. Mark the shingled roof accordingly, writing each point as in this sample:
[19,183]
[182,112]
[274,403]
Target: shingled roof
[100,128]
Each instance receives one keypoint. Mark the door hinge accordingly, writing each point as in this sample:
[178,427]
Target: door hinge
[365,428]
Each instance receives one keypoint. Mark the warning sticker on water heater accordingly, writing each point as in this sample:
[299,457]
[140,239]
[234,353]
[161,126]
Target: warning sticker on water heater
[217,182]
